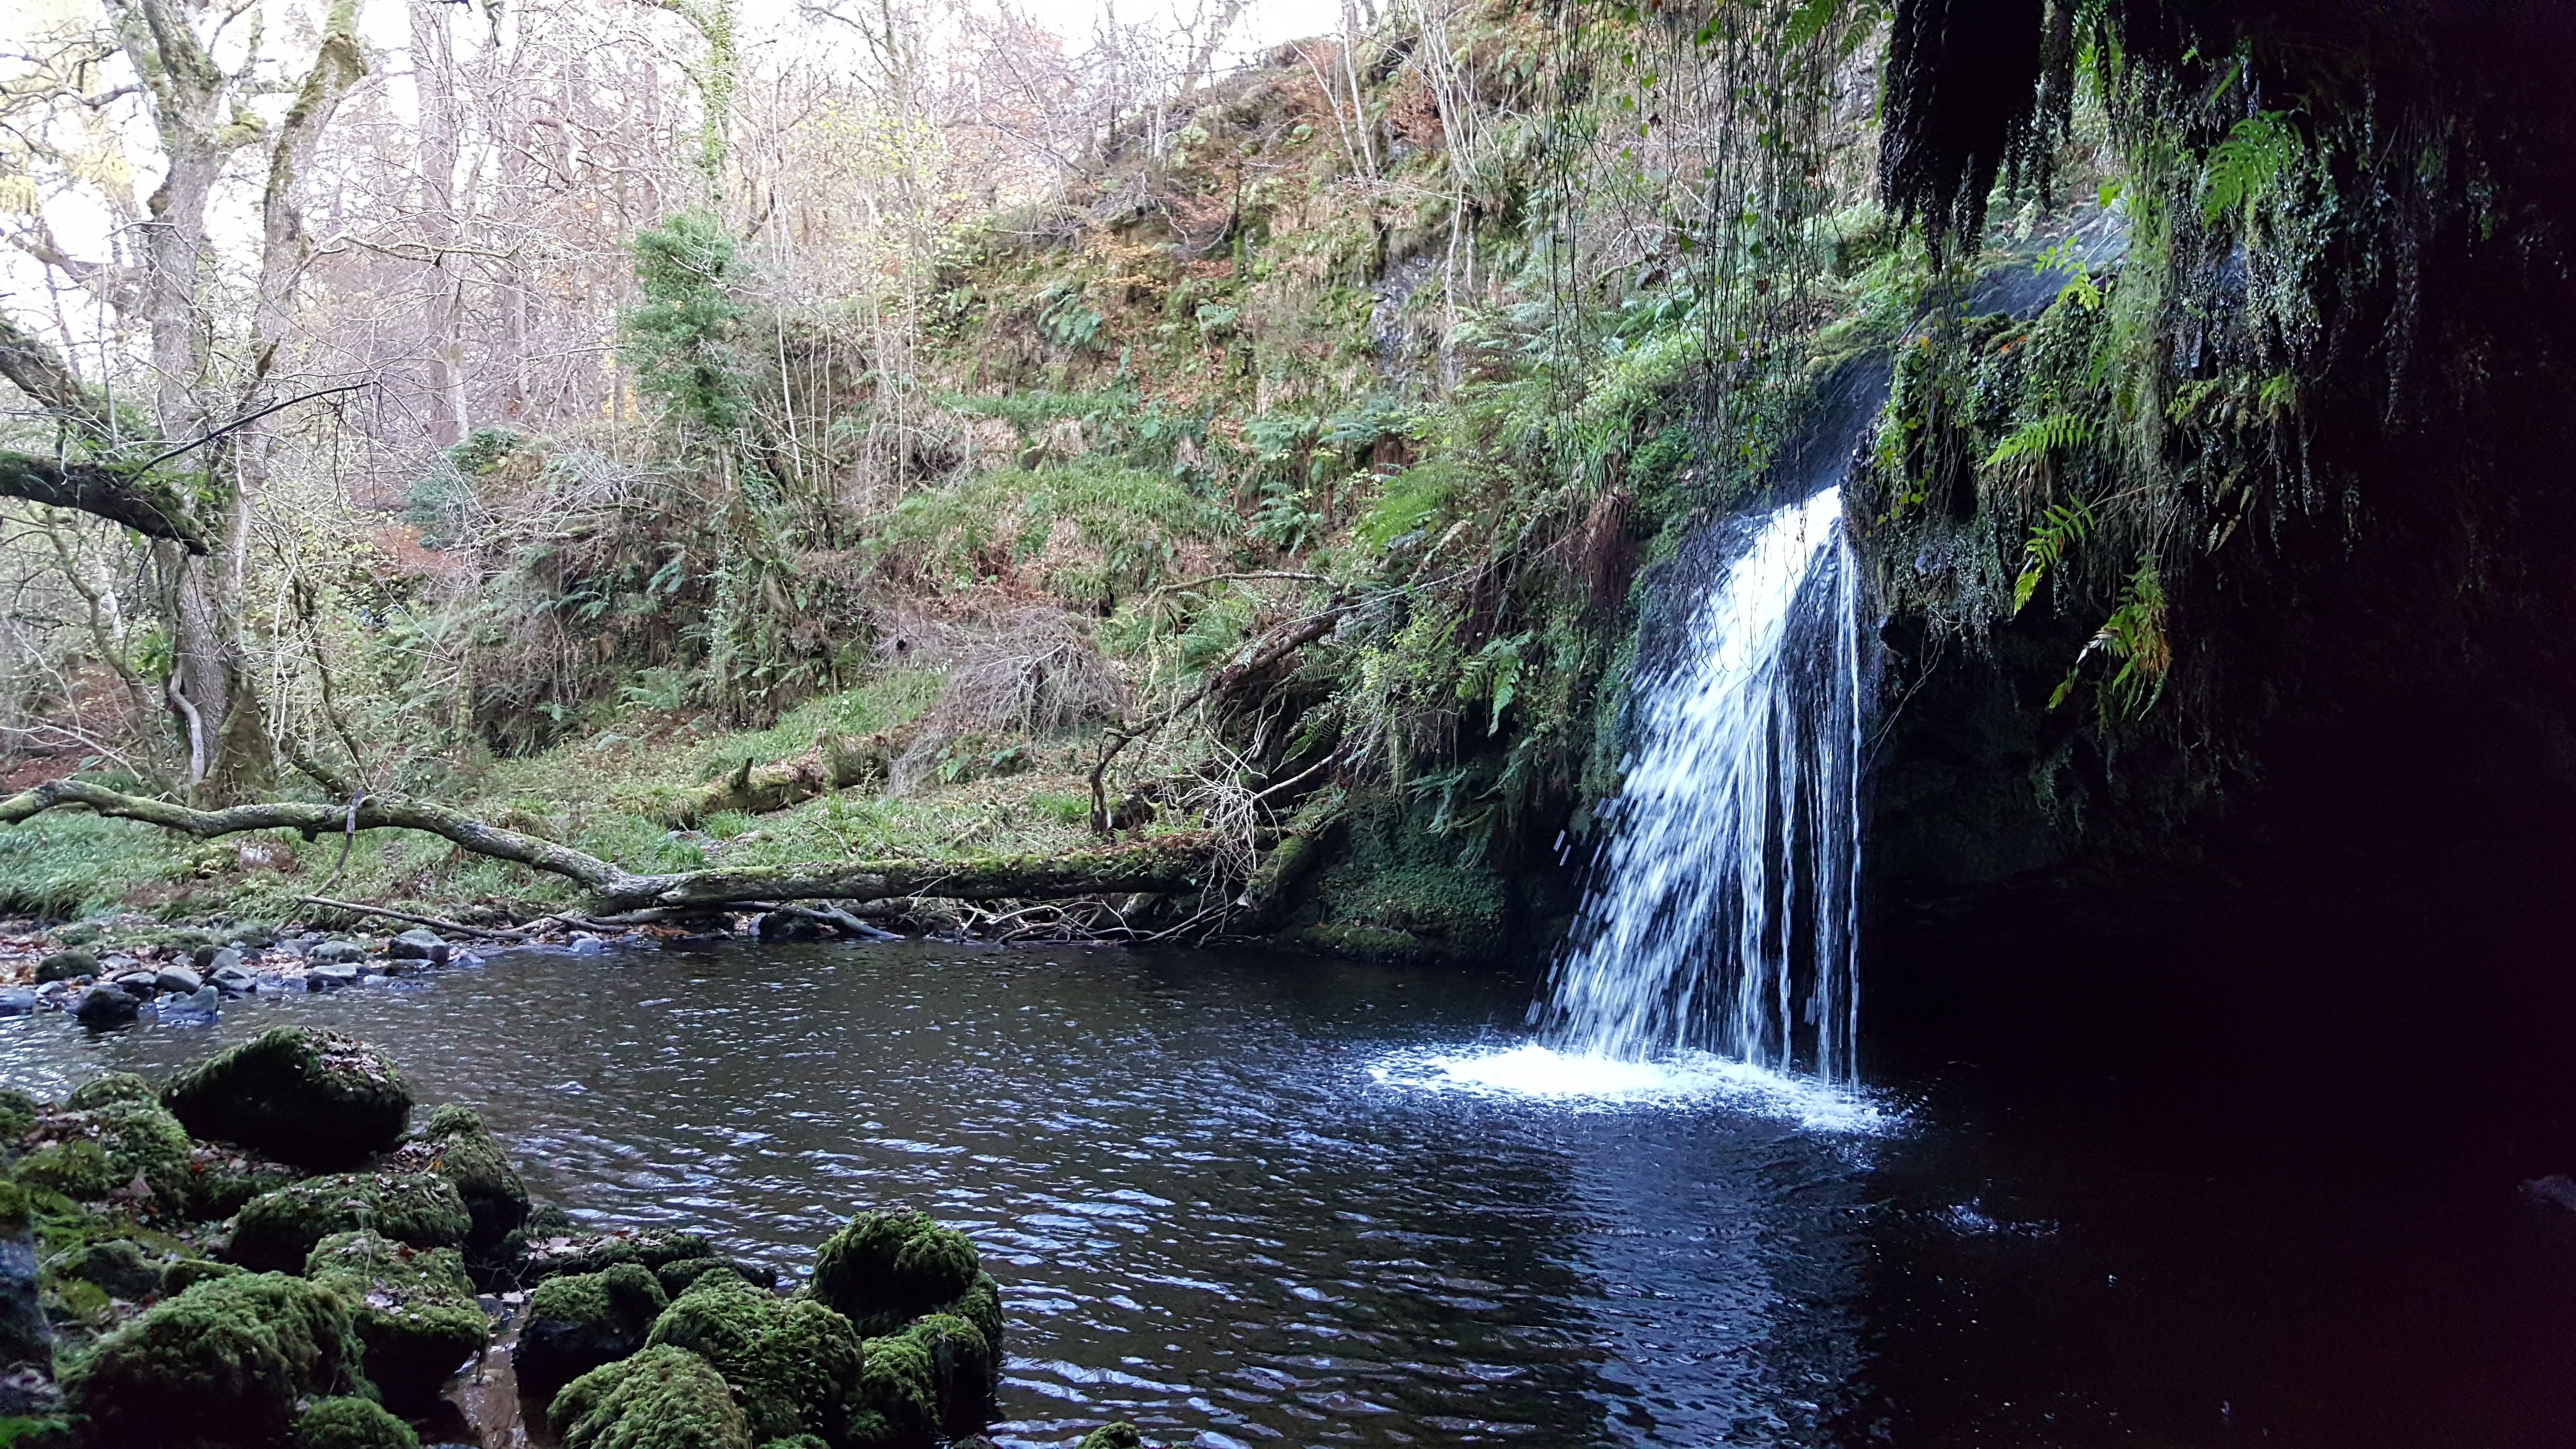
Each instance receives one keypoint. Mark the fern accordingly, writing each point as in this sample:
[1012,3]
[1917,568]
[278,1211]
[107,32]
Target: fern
[2248,167]
[2037,439]
[2134,638]
[2062,526]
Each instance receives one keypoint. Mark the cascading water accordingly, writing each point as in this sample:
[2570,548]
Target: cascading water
[1724,912]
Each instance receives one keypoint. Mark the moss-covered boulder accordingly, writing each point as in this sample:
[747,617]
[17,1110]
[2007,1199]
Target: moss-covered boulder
[587,1252]
[17,1118]
[279,1230]
[963,1371]
[887,1268]
[185,1273]
[317,1099]
[662,1398]
[981,1306]
[352,1423]
[896,1402]
[413,1307]
[473,1159]
[793,1361]
[1120,1435]
[25,1337]
[578,1321]
[115,1147]
[118,1267]
[219,1366]
[113,1087]
[222,1178]
[68,965]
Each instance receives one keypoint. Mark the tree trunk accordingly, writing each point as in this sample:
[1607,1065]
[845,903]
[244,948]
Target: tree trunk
[433,71]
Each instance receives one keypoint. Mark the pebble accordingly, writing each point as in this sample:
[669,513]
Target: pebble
[338,952]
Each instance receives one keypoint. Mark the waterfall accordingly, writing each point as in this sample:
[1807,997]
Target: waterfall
[1724,908]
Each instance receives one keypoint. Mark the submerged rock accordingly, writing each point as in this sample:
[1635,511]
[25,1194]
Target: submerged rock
[318,1099]
[279,1230]
[887,1268]
[102,1007]
[352,1423]
[792,1361]
[662,1398]
[413,1307]
[219,1366]
[580,1321]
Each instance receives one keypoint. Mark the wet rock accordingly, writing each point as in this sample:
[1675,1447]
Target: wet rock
[235,981]
[117,1267]
[203,1005]
[178,979]
[965,1372]
[887,1268]
[141,983]
[317,1099]
[337,951]
[472,1158]
[327,978]
[117,965]
[254,938]
[418,944]
[222,1364]
[66,965]
[17,1001]
[791,1361]
[413,1308]
[25,1337]
[102,1007]
[783,926]
[2557,1190]
[28,1391]
[676,1277]
[351,1423]
[279,1230]
[662,1398]
[580,1321]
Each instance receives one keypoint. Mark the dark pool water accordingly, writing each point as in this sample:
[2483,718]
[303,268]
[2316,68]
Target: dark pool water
[1220,1207]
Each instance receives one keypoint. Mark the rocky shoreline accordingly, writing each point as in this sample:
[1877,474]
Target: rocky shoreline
[266,1251]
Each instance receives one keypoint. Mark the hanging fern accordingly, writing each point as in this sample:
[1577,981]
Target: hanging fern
[2062,527]
[2248,167]
[2041,437]
[2133,638]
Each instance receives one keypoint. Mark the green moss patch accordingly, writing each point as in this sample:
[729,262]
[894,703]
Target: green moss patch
[278,1230]
[662,1398]
[317,1099]
[221,1365]
[414,1310]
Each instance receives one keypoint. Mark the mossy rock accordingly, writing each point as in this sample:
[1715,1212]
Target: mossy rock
[101,1151]
[896,1404]
[223,1179]
[68,965]
[586,1252]
[885,1269]
[662,1398]
[118,1267]
[113,1087]
[474,1160]
[793,1361]
[578,1321]
[352,1423]
[221,1365]
[1118,1435]
[964,1372]
[1397,890]
[318,1099]
[186,1273]
[17,1118]
[279,1230]
[414,1309]
[981,1306]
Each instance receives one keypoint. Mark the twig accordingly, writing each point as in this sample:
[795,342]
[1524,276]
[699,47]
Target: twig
[432,922]
[1284,574]
[247,419]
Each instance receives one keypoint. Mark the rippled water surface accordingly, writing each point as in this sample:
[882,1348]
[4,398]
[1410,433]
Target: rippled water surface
[1246,1199]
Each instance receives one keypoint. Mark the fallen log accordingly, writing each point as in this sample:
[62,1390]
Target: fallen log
[836,762]
[1165,864]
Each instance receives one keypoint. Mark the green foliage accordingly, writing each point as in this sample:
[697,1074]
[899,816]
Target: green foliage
[2250,167]
[2133,642]
[677,339]
[2061,527]
[1124,527]
[279,1230]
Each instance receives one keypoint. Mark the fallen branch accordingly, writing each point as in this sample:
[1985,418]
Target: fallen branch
[1164,864]
[433,922]
[836,762]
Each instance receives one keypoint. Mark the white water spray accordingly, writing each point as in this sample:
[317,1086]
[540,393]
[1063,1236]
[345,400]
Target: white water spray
[1725,911]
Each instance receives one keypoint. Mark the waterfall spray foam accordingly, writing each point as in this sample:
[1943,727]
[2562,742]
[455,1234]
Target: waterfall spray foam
[1724,911]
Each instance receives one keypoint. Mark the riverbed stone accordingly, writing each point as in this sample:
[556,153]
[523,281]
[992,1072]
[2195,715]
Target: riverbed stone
[662,1398]
[17,1001]
[236,981]
[25,1337]
[413,1307]
[327,978]
[418,944]
[318,1099]
[102,1007]
[223,1178]
[792,1361]
[66,966]
[579,1321]
[221,1365]
[141,983]
[351,1423]
[278,1230]
[178,979]
[580,1252]
[338,951]
[886,1268]
[469,1156]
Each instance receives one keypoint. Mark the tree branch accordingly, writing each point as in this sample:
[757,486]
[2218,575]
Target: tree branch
[104,490]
